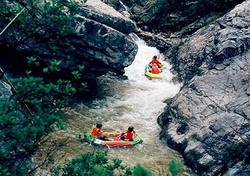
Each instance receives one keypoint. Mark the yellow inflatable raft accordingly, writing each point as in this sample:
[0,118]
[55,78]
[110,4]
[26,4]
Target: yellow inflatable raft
[150,75]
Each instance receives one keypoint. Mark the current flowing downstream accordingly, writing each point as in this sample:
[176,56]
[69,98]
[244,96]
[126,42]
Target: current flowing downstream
[136,101]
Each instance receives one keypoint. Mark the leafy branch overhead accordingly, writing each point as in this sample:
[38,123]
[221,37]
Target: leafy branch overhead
[37,104]
[35,109]
[73,85]
[48,20]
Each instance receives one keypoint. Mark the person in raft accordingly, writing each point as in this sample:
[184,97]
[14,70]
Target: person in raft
[129,135]
[156,61]
[97,131]
[155,69]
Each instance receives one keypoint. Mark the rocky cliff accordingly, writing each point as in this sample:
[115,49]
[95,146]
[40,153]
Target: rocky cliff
[171,15]
[102,43]
[209,119]
[208,122]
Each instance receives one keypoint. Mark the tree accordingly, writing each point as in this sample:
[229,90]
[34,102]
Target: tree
[36,106]
[34,110]
[51,21]
[92,164]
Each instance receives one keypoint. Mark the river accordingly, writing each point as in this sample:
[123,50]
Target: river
[136,101]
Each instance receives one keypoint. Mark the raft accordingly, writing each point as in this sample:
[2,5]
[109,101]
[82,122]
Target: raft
[112,139]
[150,75]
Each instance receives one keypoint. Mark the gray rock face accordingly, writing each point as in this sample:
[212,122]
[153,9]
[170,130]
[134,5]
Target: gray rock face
[5,91]
[209,119]
[210,46]
[102,43]
[173,15]
[97,11]
[105,45]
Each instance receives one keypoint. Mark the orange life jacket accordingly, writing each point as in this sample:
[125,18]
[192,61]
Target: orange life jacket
[155,61]
[96,132]
[130,135]
[155,70]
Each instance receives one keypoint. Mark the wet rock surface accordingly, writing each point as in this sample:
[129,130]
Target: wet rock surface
[209,119]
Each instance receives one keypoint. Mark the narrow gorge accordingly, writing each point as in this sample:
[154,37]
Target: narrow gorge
[199,113]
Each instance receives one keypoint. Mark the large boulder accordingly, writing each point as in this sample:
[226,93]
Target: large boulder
[208,121]
[117,20]
[102,43]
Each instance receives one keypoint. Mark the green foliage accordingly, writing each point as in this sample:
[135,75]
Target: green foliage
[81,67]
[55,63]
[34,108]
[32,61]
[76,74]
[140,171]
[51,21]
[84,86]
[28,72]
[54,66]
[175,167]
[92,164]
[46,70]
[97,164]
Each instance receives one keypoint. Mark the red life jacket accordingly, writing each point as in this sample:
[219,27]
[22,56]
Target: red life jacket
[96,132]
[130,135]
[155,61]
[155,69]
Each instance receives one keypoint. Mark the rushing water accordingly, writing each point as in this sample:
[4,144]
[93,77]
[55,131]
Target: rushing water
[136,102]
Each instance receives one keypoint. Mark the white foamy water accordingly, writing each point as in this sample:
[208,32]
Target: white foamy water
[134,102]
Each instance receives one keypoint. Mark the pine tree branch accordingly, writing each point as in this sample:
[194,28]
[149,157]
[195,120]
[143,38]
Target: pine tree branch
[12,21]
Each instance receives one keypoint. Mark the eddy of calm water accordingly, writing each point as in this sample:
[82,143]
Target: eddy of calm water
[136,102]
